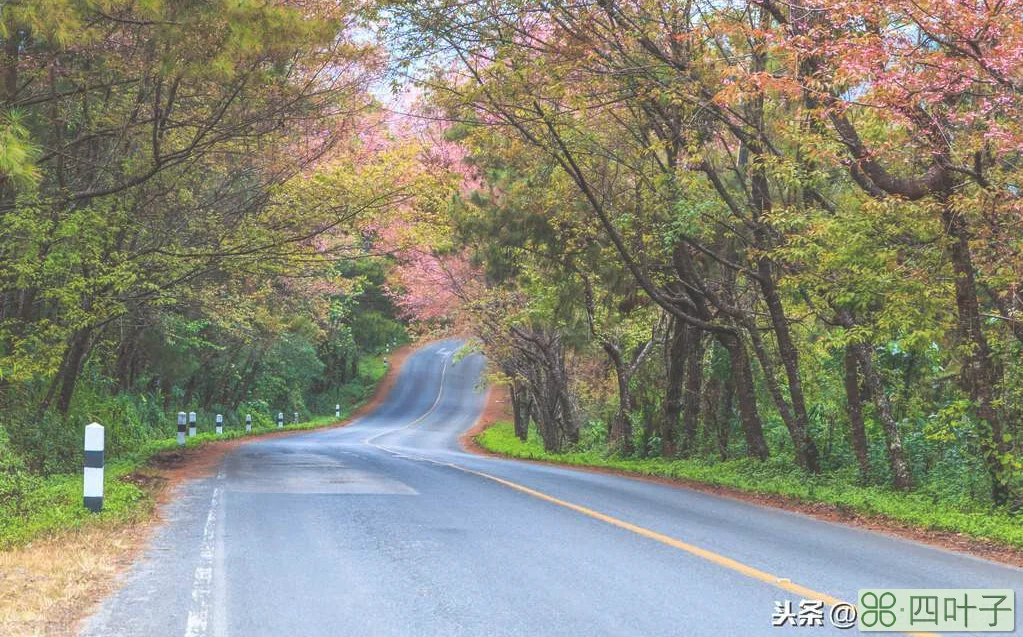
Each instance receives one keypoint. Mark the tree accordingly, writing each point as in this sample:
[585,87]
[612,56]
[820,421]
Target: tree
[789,184]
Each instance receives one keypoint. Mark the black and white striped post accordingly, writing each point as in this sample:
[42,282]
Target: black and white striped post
[191,424]
[337,410]
[280,419]
[94,467]
[248,422]
[220,424]
[295,419]
[181,427]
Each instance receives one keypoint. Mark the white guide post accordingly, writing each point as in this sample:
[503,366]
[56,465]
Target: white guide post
[94,467]
[181,427]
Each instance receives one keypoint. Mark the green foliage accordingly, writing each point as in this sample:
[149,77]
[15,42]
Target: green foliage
[293,368]
[856,252]
[207,257]
[221,352]
[54,504]
[17,151]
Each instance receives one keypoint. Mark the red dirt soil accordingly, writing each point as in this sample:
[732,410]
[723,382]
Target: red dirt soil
[498,408]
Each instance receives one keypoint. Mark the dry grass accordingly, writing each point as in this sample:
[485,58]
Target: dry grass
[47,586]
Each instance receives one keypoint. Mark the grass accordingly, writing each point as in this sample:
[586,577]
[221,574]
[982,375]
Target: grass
[46,585]
[778,478]
[51,505]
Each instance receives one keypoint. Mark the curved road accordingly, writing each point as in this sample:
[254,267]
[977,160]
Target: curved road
[386,527]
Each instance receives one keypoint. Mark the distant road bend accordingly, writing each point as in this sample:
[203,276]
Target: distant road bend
[386,527]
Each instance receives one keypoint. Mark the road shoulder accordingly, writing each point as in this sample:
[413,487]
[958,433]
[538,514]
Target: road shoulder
[498,409]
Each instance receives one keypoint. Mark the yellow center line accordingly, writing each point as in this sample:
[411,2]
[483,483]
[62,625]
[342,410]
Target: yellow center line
[749,571]
[783,583]
[440,394]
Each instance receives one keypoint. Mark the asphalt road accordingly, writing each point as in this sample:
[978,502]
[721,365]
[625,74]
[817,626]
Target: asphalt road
[387,527]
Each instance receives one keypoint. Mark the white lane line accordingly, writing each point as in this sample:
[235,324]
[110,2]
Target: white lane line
[219,573]
[202,582]
[440,394]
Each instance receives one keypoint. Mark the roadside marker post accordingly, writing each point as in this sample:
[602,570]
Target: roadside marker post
[280,419]
[93,478]
[337,410]
[181,427]
[220,424]
[296,418]
[248,422]
[191,424]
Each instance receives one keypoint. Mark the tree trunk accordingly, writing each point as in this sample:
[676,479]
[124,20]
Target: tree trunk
[710,405]
[745,391]
[126,351]
[245,379]
[675,355]
[12,50]
[543,368]
[981,375]
[717,403]
[725,416]
[854,405]
[74,359]
[189,390]
[648,431]
[620,429]
[799,427]
[522,407]
[693,387]
[901,476]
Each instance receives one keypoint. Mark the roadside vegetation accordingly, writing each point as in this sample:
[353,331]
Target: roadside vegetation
[190,198]
[34,507]
[926,507]
[766,244]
